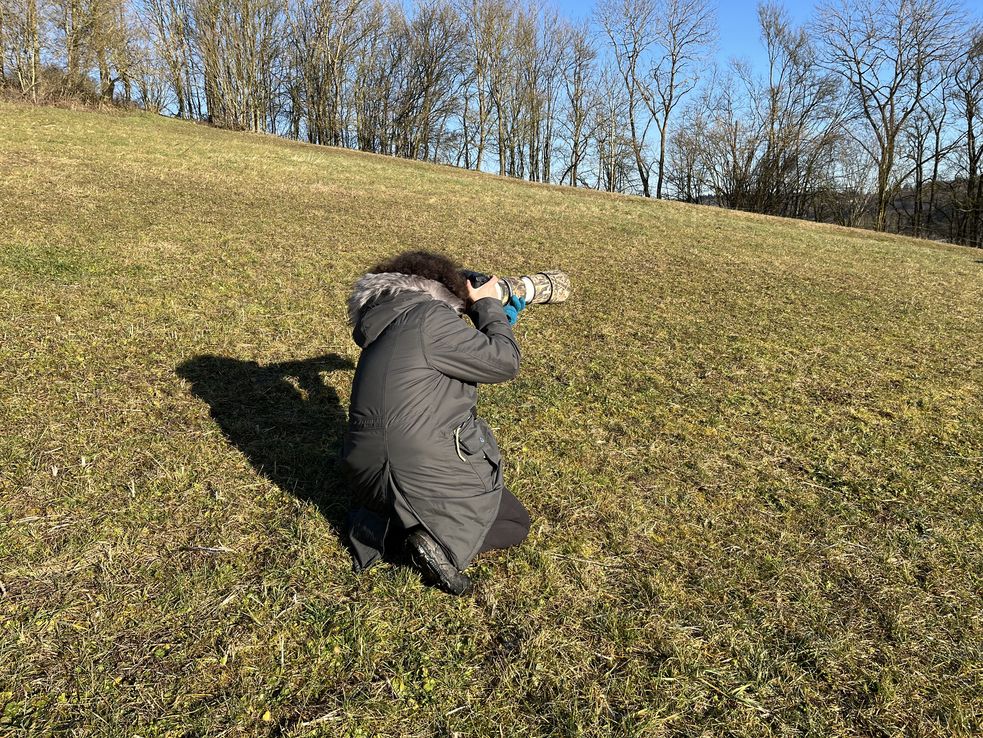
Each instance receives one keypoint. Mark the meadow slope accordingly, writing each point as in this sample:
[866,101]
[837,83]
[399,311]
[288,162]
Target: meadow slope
[752,448]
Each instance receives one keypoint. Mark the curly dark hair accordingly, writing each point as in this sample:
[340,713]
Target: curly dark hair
[428,265]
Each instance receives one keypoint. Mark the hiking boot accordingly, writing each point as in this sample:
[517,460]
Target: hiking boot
[427,556]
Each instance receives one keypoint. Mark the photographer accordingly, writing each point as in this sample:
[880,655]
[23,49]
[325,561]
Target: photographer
[427,471]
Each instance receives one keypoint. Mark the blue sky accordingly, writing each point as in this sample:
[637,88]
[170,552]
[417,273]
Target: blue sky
[737,21]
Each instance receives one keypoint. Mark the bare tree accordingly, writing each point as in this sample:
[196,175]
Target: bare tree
[885,51]
[798,111]
[579,81]
[615,152]
[21,49]
[501,78]
[687,174]
[78,22]
[852,176]
[968,98]
[683,31]
[483,19]
[326,35]
[168,26]
[430,79]
[734,141]
[540,74]
[240,42]
[3,44]
[629,27]
[149,72]
[552,38]
[377,77]
[924,145]
[109,45]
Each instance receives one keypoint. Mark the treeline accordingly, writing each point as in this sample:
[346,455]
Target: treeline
[869,115]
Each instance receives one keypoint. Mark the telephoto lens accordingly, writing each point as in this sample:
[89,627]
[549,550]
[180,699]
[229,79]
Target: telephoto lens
[540,288]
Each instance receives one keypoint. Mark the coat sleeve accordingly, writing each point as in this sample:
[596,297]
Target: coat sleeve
[487,355]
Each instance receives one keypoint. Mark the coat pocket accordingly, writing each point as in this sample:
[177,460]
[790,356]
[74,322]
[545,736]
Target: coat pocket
[475,445]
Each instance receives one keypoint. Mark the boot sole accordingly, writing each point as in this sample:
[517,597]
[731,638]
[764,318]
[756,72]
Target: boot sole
[425,555]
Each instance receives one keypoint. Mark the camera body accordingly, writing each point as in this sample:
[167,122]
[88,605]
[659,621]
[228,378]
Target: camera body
[475,278]
[539,288]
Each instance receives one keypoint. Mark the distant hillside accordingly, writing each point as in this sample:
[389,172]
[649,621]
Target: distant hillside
[752,448]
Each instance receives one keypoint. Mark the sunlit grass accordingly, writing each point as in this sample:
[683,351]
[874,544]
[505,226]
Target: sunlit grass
[752,448]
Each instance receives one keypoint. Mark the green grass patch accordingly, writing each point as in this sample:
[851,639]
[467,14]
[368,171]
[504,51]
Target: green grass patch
[49,262]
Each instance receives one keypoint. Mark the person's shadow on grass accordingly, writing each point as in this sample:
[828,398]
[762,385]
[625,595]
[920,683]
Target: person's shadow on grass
[284,419]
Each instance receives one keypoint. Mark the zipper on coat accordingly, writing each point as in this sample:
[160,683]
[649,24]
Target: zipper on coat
[457,441]
[472,416]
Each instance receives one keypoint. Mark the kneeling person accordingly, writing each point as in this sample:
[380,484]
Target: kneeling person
[427,470]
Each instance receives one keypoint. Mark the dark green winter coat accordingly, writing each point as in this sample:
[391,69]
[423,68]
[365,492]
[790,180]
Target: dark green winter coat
[415,446]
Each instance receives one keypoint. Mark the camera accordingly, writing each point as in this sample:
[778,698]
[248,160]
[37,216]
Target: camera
[540,288]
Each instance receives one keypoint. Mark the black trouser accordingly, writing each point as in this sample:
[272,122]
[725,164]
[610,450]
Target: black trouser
[511,526]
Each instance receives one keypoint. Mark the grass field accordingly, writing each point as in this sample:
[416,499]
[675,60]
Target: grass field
[752,448]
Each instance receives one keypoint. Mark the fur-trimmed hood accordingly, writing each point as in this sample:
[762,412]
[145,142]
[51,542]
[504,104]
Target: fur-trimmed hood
[370,287]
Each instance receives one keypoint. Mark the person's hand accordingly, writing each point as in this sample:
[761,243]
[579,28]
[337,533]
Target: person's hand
[515,306]
[488,289]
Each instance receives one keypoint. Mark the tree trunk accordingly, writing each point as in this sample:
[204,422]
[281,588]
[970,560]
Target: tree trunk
[3,53]
[35,40]
[636,147]
[662,161]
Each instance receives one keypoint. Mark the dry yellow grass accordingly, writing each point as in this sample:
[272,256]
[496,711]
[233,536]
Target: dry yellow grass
[752,449]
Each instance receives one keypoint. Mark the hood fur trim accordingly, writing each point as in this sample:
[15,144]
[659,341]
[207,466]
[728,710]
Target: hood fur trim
[370,287]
